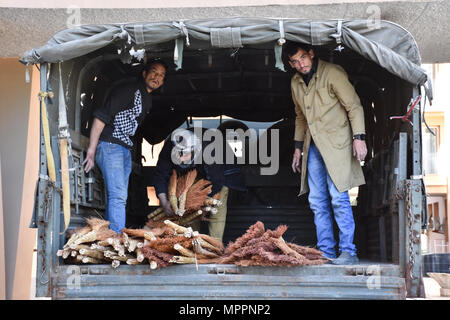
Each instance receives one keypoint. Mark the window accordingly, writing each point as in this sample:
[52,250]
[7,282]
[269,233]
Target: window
[430,150]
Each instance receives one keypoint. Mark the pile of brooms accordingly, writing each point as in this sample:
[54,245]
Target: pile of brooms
[188,199]
[159,246]
[260,247]
[166,243]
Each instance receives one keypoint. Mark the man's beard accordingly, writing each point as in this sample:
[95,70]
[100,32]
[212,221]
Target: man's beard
[151,87]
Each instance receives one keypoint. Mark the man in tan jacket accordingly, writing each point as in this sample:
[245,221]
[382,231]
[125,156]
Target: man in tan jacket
[330,129]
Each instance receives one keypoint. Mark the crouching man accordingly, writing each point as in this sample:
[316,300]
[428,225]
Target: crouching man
[182,153]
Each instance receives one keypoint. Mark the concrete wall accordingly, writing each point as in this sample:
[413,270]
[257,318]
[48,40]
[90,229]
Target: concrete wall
[2,244]
[29,24]
[169,3]
[19,134]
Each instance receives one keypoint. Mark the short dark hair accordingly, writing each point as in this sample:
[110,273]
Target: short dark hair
[292,48]
[153,61]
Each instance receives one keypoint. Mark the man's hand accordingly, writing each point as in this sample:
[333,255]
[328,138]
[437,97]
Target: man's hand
[89,161]
[165,204]
[359,149]
[168,209]
[96,130]
[296,160]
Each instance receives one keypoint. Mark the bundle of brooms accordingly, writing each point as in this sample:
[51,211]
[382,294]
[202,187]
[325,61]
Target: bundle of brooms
[160,246]
[260,247]
[188,199]
[168,243]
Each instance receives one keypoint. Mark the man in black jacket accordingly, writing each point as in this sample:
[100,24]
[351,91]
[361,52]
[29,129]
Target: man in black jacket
[184,155]
[110,142]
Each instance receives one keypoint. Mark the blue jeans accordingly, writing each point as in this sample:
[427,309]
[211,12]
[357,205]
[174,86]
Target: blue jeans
[322,189]
[114,161]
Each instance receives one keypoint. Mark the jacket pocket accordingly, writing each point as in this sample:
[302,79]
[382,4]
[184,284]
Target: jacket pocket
[340,137]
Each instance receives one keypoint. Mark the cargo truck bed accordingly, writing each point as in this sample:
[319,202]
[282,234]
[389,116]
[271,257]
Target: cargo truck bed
[213,281]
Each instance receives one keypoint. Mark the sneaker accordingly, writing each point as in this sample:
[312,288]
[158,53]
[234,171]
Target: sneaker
[345,258]
[328,259]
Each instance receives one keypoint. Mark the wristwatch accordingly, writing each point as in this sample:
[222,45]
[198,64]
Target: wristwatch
[359,137]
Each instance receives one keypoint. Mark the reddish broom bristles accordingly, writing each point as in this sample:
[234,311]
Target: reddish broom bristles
[140,233]
[305,250]
[105,234]
[267,248]
[162,231]
[172,184]
[160,258]
[197,194]
[155,224]
[97,224]
[185,181]
[278,232]
[190,179]
[257,247]
[78,231]
[181,182]
[215,242]
[254,231]
[166,244]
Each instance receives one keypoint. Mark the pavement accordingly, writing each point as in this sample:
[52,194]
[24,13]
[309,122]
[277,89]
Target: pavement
[432,290]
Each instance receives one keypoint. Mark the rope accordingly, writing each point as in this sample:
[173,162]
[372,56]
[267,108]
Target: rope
[405,117]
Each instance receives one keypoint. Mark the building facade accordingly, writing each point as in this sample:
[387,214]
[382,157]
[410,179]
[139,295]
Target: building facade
[435,160]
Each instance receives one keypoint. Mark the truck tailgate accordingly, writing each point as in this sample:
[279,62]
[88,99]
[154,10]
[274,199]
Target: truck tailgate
[212,281]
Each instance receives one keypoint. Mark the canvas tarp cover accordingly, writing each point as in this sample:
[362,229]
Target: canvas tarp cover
[383,42]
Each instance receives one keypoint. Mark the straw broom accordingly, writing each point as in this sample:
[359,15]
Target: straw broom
[95,235]
[140,233]
[78,233]
[200,250]
[213,241]
[267,248]
[92,253]
[188,218]
[155,212]
[197,194]
[97,224]
[172,191]
[189,179]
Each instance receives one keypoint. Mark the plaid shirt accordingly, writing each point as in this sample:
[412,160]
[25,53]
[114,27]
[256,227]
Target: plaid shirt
[124,110]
